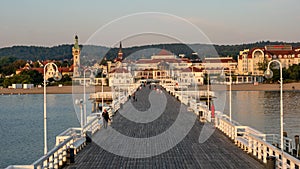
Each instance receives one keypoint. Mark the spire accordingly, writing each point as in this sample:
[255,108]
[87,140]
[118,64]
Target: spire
[120,53]
[76,46]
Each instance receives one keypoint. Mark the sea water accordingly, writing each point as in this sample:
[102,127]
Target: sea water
[21,119]
[22,125]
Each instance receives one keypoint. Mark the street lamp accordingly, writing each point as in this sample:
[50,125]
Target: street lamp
[80,102]
[208,90]
[84,92]
[103,72]
[269,74]
[56,76]
[230,91]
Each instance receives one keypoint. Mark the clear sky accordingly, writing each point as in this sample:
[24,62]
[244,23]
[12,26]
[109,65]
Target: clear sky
[54,22]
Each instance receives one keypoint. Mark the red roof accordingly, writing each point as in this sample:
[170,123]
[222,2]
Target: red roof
[219,60]
[119,70]
[270,53]
[192,69]
[165,52]
[148,61]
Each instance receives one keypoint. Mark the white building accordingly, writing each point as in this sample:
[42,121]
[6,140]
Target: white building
[215,65]
[191,75]
[120,77]
[249,61]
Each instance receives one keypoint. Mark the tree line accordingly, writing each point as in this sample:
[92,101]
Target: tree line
[13,58]
[63,52]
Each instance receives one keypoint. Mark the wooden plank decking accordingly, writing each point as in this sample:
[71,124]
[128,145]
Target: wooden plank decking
[217,152]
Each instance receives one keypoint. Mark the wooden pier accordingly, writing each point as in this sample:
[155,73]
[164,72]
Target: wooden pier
[217,152]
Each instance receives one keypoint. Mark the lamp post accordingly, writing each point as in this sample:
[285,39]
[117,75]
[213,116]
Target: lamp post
[268,74]
[208,90]
[56,76]
[102,104]
[230,93]
[84,93]
[230,81]
[80,102]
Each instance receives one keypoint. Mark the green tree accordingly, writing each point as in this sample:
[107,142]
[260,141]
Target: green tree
[35,77]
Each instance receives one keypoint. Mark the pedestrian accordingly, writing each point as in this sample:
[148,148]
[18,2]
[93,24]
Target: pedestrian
[105,118]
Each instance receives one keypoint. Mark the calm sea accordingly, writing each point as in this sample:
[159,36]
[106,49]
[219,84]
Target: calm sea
[261,110]
[21,125]
[21,119]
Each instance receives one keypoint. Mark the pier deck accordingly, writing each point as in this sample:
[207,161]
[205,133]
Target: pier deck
[217,152]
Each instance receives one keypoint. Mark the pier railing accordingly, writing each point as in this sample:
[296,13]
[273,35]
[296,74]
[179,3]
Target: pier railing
[257,144]
[261,146]
[72,138]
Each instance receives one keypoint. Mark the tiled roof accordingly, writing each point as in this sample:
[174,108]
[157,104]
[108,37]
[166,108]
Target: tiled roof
[119,70]
[149,61]
[271,53]
[219,60]
[192,69]
[164,52]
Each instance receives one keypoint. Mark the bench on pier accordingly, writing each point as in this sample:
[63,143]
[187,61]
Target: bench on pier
[79,145]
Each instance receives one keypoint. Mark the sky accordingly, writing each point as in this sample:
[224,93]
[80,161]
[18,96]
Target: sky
[55,22]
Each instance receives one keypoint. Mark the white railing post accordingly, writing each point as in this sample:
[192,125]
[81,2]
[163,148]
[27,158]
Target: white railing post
[265,154]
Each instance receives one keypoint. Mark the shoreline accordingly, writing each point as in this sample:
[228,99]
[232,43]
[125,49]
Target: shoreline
[69,89]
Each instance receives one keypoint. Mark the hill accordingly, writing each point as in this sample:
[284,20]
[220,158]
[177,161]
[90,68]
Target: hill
[62,52]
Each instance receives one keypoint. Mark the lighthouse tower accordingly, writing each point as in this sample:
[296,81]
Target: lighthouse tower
[76,58]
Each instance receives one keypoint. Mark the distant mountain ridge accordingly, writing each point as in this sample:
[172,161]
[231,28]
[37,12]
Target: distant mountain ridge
[64,51]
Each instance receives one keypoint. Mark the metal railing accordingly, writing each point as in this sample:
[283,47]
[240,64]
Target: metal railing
[256,143]
[57,156]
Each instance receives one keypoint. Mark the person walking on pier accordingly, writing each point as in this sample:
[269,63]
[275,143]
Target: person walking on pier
[105,118]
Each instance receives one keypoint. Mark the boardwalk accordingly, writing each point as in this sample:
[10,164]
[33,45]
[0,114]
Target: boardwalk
[217,152]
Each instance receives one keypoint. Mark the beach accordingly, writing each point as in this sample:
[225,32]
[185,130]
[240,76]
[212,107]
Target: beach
[55,90]
[92,89]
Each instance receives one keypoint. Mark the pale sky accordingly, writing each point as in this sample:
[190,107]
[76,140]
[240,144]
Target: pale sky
[54,22]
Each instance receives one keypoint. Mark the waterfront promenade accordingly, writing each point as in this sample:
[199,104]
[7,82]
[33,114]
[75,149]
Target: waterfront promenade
[217,152]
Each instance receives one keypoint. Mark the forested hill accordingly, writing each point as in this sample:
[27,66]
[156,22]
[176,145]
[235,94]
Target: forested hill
[62,52]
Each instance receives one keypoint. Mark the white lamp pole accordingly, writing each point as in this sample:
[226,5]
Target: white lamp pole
[230,81]
[57,76]
[84,94]
[268,74]
[208,90]
[102,90]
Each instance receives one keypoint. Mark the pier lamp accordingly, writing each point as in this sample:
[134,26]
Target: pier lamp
[92,76]
[269,74]
[208,90]
[56,75]
[80,102]
[230,91]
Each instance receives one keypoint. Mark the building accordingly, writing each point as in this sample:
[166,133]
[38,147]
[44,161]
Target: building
[160,66]
[120,77]
[250,61]
[76,58]
[216,65]
[50,72]
[191,75]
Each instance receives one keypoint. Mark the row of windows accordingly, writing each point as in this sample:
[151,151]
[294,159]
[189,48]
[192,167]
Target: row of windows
[284,56]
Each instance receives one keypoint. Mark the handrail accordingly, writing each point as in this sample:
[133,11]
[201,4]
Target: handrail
[256,142]
[51,152]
